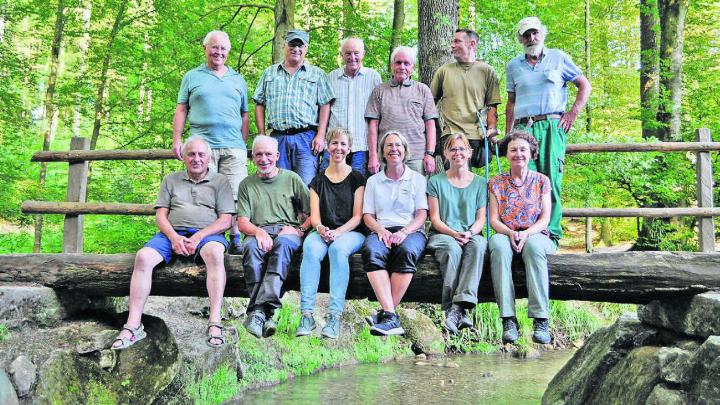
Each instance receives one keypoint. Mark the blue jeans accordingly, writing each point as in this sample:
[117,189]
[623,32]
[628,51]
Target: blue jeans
[358,161]
[296,154]
[339,252]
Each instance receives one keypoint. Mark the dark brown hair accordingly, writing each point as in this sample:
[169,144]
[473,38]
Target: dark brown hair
[516,134]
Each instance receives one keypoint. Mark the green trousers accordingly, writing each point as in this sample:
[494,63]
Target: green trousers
[550,162]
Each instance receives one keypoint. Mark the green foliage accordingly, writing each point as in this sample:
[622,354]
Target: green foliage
[4,332]
[216,388]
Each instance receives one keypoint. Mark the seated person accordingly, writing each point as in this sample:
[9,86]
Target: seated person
[520,207]
[273,207]
[335,212]
[457,213]
[394,210]
[193,210]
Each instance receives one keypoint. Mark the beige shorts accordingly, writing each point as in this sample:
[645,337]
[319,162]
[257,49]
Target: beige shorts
[231,163]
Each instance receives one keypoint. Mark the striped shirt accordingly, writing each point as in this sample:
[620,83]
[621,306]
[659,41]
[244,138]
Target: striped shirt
[292,101]
[351,96]
[541,89]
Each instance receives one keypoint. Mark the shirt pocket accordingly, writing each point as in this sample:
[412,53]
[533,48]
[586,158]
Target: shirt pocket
[554,76]
[416,108]
[203,198]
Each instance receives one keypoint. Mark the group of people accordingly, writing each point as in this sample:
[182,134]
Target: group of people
[326,186]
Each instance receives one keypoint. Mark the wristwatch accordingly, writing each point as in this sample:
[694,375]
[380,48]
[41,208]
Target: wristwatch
[302,229]
[430,153]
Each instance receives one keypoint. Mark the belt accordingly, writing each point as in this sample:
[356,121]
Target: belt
[293,131]
[528,121]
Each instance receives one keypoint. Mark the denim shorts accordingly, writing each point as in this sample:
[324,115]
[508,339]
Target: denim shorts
[396,259]
[162,244]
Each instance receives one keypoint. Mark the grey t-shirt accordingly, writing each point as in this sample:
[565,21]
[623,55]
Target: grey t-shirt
[195,205]
[275,201]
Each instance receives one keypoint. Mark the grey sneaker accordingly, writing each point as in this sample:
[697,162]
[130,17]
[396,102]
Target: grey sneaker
[332,326]
[452,318]
[269,328]
[254,323]
[375,318]
[510,332]
[465,320]
[389,325]
[541,334]
[307,324]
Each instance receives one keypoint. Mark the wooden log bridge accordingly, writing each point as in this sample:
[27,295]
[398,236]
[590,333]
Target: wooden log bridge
[629,277]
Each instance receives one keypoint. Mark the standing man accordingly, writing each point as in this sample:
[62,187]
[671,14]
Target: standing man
[352,85]
[406,106]
[273,208]
[213,97]
[193,209]
[294,98]
[463,88]
[537,101]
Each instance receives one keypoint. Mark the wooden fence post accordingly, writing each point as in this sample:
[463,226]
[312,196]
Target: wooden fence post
[588,235]
[76,192]
[704,177]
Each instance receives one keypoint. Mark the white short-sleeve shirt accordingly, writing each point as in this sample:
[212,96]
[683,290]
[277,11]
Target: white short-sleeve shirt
[394,202]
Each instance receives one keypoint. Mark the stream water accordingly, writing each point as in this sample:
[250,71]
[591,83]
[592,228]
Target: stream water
[472,379]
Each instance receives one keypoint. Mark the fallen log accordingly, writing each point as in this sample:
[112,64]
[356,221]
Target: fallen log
[629,277]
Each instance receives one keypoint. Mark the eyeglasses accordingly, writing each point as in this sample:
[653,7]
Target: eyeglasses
[295,44]
[456,150]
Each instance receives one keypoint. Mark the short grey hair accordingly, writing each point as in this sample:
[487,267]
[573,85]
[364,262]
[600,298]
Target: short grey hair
[403,140]
[543,30]
[195,138]
[264,138]
[345,41]
[410,52]
[210,34]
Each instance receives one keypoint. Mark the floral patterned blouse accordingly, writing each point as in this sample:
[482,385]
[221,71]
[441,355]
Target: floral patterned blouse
[520,205]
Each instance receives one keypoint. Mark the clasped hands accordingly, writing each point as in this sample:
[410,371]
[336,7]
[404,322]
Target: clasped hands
[518,239]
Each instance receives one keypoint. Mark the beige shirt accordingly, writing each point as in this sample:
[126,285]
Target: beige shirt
[404,108]
[461,90]
[195,205]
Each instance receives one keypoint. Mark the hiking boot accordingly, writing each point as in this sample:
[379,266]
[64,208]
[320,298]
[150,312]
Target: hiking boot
[307,324]
[374,318]
[465,321]
[388,325]
[452,319]
[254,323]
[541,334]
[235,245]
[269,328]
[510,332]
[332,326]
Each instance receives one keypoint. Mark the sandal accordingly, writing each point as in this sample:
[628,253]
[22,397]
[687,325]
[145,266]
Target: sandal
[219,337]
[138,334]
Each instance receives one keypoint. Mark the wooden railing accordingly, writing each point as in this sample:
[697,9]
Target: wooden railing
[79,156]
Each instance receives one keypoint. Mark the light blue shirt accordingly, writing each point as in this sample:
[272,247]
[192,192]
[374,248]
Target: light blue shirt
[215,106]
[351,96]
[292,100]
[541,89]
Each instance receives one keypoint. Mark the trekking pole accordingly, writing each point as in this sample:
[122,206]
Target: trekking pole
[481,124]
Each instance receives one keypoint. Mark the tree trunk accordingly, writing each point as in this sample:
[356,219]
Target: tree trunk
[611,277]
[102,90]
[588,115]
[672,24]
[83,46]
[437,21]
[397,27]
[284,22]
[50,109]
[649,67]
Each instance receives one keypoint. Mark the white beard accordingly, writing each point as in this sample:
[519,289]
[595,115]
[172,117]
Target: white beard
[534,50]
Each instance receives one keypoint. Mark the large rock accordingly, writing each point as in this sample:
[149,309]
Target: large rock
[23,305]
[24,374]
[703,371]
[421,331]
[695,317]
[7,392]
[578,380]
[631,380]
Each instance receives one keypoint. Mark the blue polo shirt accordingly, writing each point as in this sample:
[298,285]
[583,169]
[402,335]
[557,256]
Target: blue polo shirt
[541,89]
[215,106]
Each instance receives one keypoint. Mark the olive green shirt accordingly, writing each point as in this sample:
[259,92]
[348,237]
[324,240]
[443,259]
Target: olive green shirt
[460,90]
[195,205]
[275,201]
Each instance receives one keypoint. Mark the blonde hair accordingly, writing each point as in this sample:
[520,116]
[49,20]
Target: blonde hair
[403,140]
[335,132]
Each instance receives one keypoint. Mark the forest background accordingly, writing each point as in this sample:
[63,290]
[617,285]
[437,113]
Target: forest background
[109,70]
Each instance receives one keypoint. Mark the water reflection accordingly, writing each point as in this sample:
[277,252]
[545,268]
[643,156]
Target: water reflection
[479,379]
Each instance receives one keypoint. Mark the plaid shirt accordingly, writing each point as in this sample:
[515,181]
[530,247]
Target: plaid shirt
[292,101]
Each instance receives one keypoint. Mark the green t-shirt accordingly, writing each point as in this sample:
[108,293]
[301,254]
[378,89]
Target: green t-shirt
[275,201]
[458,205]
[461,89]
